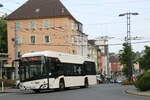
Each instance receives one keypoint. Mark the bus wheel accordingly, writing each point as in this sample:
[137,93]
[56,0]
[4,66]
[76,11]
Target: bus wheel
[37,91]
[61,85]
[86,84]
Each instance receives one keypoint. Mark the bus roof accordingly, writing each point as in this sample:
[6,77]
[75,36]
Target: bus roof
[63,57]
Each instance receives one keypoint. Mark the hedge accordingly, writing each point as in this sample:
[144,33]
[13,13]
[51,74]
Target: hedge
[143,81]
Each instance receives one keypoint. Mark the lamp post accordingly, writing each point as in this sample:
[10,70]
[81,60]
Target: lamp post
[128,40]
[1,64]
[1,5]
[15,51]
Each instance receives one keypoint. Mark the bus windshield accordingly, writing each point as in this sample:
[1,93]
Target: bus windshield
[32,68]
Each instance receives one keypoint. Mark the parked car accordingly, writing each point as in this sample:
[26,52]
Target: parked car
[119,81]
[112,81]
[98,78]
[115,81]
[17,83]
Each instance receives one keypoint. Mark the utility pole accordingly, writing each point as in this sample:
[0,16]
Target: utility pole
[2,75]
[2,67]
[128,41]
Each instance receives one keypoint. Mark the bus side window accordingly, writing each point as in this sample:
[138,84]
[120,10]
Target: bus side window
[93,68]
[77,69]
[59,69]
[50,66]
[90,68]
[68,69]
[83,69]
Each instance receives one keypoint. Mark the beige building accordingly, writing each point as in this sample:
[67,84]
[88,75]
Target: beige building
[94,53]
[44,25]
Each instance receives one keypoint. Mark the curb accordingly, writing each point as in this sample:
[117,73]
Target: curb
[137,92]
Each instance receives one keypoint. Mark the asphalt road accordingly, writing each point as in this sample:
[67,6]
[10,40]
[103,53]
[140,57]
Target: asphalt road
[97,92]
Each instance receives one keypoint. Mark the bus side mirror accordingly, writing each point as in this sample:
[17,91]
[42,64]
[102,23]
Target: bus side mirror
[50,74]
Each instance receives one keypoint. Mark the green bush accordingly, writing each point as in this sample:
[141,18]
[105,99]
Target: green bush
[143,81]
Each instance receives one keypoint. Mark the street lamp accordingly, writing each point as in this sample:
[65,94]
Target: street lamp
[128,14]
[128,38]
[1,5]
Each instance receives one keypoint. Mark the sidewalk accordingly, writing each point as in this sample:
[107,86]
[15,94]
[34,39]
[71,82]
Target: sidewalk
[9,90]
[137,92]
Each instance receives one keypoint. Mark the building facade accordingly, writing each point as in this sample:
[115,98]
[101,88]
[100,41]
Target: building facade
[40,25]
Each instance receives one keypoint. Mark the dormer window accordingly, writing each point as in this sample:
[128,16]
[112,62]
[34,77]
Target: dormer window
[62,10]
[37,10]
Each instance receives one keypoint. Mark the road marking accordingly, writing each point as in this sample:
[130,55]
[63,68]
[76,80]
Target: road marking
[3,94]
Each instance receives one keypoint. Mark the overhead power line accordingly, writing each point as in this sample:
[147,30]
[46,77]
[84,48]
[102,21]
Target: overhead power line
[128,2]
[132,43]
[82,45]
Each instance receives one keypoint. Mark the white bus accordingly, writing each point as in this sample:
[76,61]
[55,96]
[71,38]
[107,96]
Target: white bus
[53,70]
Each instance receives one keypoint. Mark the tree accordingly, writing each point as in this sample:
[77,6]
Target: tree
[144,61]
[126,58]
[3,35]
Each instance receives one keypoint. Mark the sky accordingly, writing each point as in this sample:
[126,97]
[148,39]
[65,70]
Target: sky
[100,18]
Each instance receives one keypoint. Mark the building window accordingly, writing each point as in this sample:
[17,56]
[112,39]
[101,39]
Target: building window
[19,54]
[32,25]
[73,52]
[72,26]
[18,40]
[73,40]
[32,39]
[76,26]
[80,27]
[17,26]
[46,24]
[47,39]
